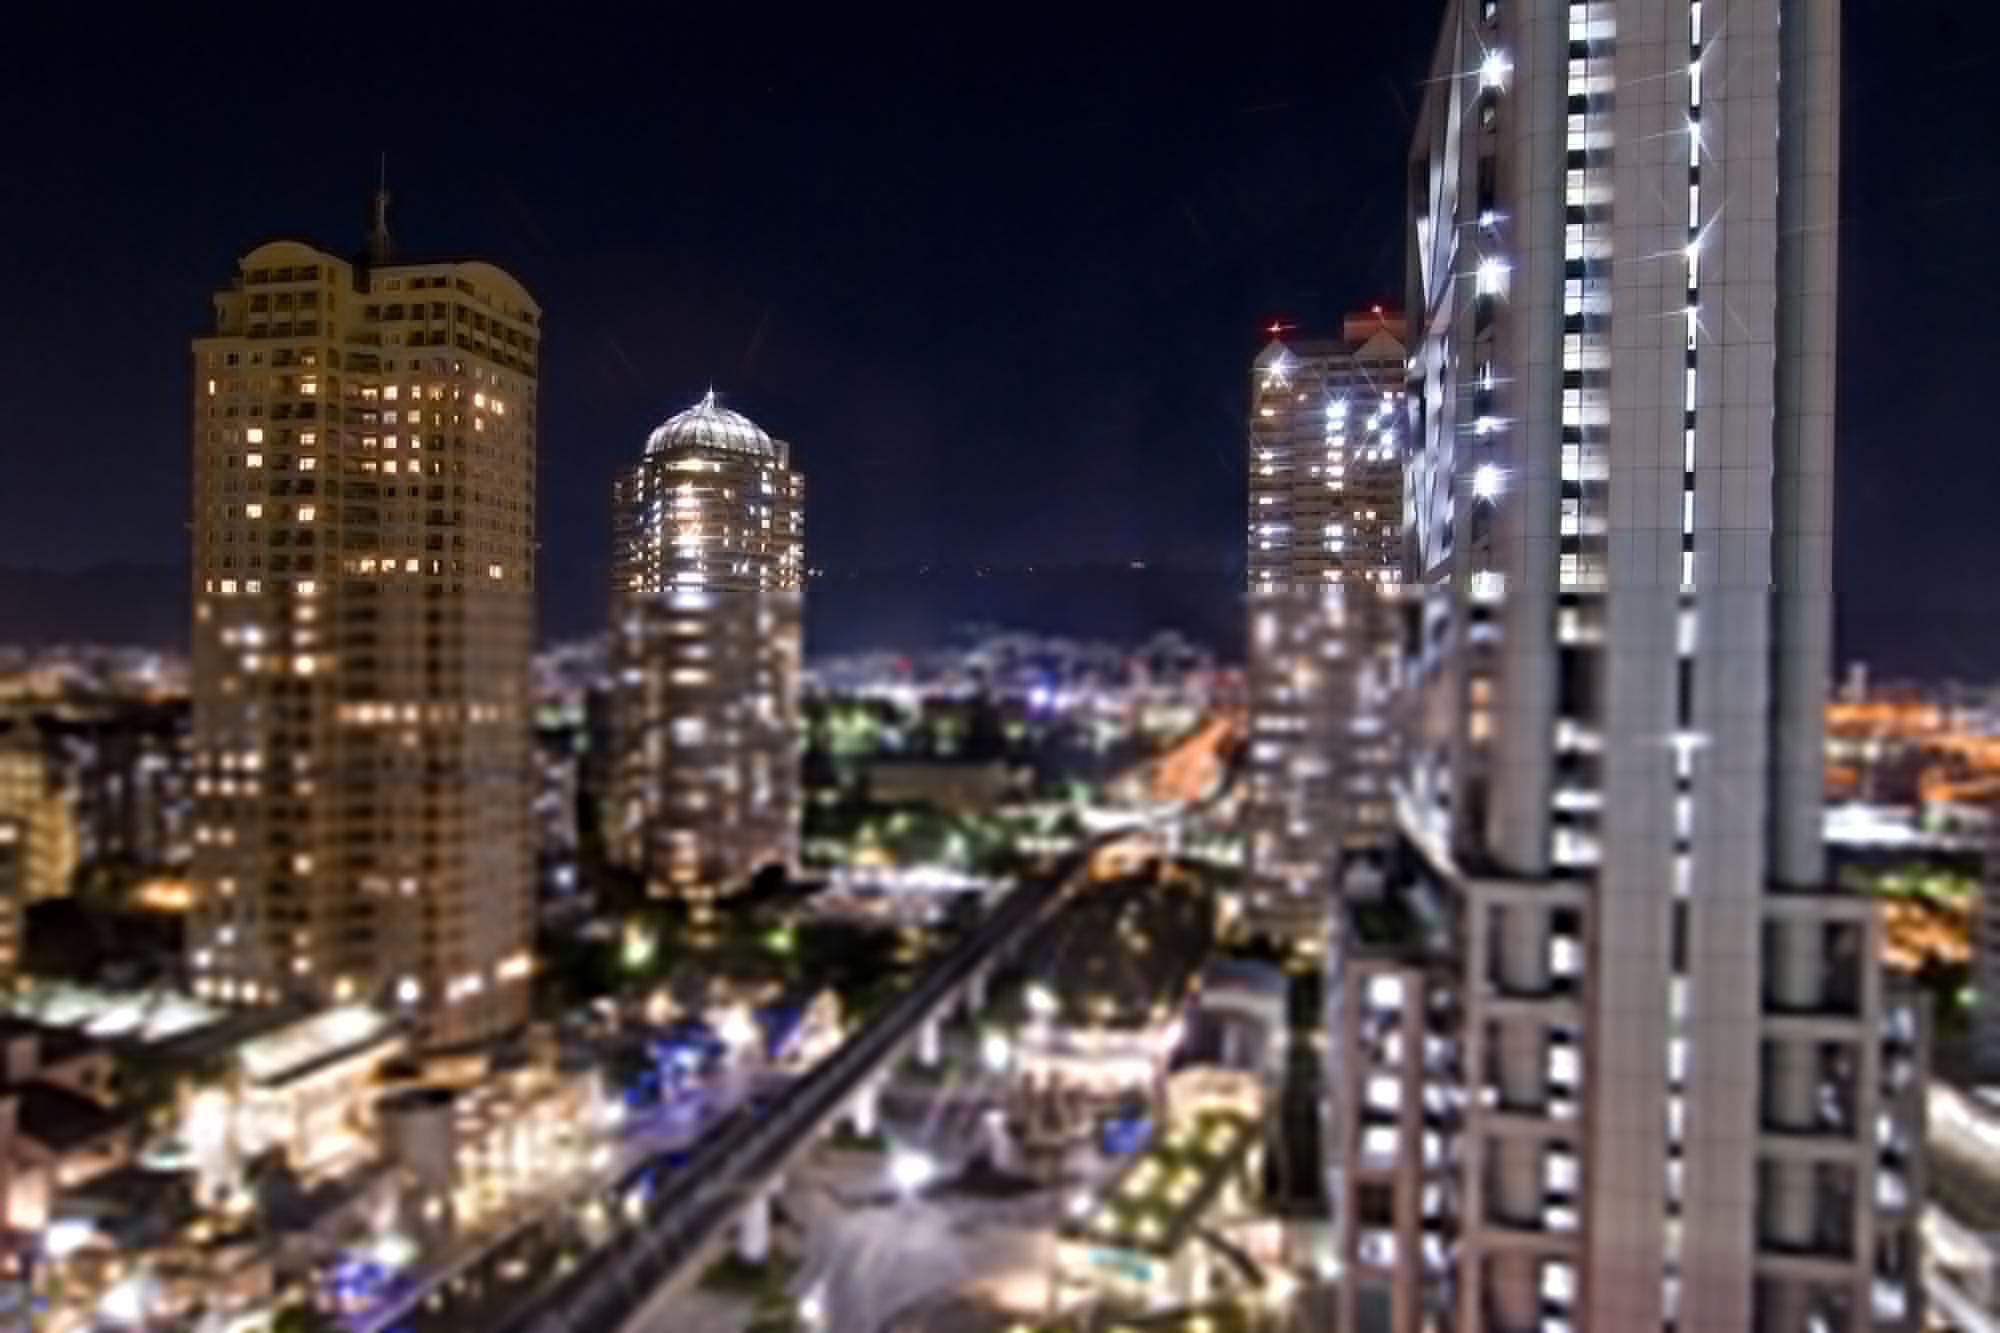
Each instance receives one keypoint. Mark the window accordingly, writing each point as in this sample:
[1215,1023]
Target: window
[253,460]
[307,513]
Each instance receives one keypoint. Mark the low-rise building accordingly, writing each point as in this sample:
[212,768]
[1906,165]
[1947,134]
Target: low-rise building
[58,1124]
[1179,1224]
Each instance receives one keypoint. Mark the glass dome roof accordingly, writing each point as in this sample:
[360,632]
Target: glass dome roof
[710,425]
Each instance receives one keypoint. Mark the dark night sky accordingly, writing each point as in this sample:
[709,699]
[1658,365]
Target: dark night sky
[998,281]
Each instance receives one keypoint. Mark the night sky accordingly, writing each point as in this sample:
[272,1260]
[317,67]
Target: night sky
[998,282]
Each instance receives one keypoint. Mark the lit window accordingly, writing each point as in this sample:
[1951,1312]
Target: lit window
[255,435]
[494,571]
[309,386]
[308,464]
[253,511]
[253,460]
[306,513]
[389,392]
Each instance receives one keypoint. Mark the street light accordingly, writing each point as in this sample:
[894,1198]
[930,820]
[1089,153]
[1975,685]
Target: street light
[911,1171]
[811,1308]
[996,1051]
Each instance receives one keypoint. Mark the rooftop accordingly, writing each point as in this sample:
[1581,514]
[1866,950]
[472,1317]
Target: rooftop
[144,1016]
[709,425]
[1126,954]
[1154,1202]
[59,1119]
[310,1043]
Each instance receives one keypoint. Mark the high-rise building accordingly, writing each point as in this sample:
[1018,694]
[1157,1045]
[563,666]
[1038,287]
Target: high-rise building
[363,585]
[1325,566]
[13,893]
[707,570]
[1683,1089]
[38,792]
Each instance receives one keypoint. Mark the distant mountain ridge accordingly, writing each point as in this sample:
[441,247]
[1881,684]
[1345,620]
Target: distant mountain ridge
[926,608]
[908,608]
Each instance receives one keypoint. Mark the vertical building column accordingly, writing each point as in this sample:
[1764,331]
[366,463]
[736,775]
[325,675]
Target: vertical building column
[1797,982]
[1513,1295]
[1808,243]
[863,1108]
[1527,341]
[753,1229]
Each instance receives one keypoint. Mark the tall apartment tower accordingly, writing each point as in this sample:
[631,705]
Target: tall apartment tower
[708,552]
[1325,565]
[1684,1083]
[38,790]
[363,586]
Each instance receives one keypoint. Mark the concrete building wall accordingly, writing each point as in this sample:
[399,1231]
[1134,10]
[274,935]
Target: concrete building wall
[1625,231]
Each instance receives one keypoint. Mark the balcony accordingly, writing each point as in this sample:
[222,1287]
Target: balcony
[1807,1215]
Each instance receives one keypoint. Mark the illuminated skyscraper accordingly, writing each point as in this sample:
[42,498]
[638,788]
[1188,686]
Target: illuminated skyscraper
[363,582]
[40,795]
[1325,564]
[1680,1095]
[13,892]
[707,569]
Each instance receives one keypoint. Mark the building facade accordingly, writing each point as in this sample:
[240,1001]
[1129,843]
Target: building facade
[707,572]
[13,894]
[1680,1080]
[1325,564]
[363,587]
[38,792]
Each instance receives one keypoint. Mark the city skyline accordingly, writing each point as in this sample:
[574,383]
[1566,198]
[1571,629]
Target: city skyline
[935,385]
[1510,927]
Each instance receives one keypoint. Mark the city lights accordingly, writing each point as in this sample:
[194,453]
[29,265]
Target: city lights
[910,1171]
[995,1051]
[510,910]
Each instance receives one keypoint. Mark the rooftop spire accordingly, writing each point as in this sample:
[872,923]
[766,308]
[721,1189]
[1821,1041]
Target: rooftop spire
[378,227]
